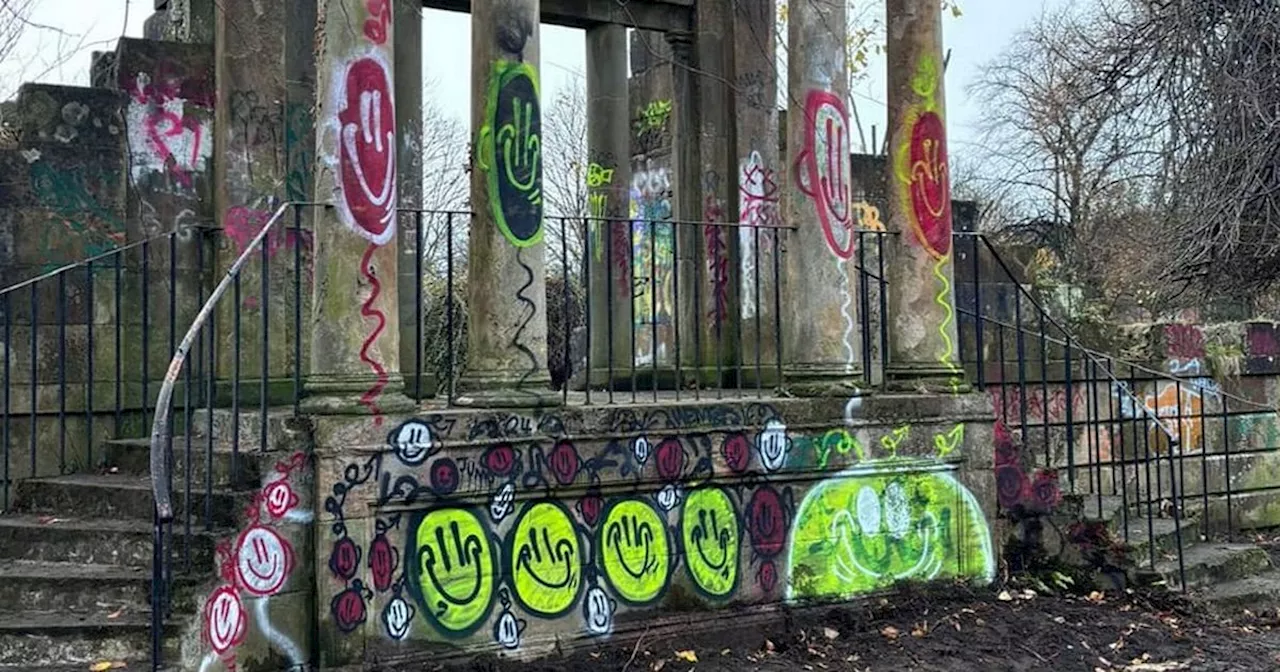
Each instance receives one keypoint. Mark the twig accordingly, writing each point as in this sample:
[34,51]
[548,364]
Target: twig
[1033,652]
[635,650]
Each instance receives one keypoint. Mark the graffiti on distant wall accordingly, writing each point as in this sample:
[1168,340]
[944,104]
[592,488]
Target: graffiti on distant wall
[258,564]
[758,216]
[653,260]
[822,168]
[492,541]
[75,195]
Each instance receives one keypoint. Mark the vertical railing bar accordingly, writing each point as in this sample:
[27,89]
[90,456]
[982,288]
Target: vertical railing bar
[777,305]
[298,240]
[1067,375]
[1146,464]
[977,312]
[1175,489]
[1097,421]
[697,320]
[566,290]
[1226,464]
[1204,462]
[235,375]
[883,283]
[35,370]
[62,373]
[675,309]
[1004,365]
[1020,347]
[588,311]
[119,329]
[1044,380]
[1112,433]
[609,225]
[265,369]
[756,302]
[630,308]
[8,386]
[418,308]
[211,386]
[450,336]
[144,293]
[653,307]
[864,306]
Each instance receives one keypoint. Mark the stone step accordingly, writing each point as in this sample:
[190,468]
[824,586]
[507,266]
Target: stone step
[73,587]
[1256,593]
[1209,563]
[133,456]
[1163,531]
[52,641]
[101,541]
[119,496]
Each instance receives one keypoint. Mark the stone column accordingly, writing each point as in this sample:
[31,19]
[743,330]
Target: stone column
[355,321]
[922,328]
[506,283]
[407,16]
[821,340]
[610,233]
[688,198]
[759,186]
[265,92]
[717,317]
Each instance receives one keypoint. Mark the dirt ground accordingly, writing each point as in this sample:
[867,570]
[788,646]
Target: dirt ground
[956,630]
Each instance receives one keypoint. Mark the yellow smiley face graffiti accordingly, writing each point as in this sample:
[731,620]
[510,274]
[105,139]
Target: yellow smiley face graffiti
[452,573]
[545,560]
[709,530]
[634,551]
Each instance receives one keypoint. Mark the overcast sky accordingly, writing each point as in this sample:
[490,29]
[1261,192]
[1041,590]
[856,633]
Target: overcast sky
[974,38]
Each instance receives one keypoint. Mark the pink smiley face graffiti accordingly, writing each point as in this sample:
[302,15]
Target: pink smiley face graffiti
[367,149]
[822,170]
[263,560]
[224,620]
[279,498]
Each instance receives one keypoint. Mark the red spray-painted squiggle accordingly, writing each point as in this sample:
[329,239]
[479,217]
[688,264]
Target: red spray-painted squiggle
[367,309]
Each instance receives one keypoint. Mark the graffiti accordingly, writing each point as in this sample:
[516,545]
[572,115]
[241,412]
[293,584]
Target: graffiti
[654,115]
[873,526]
[397,617]
[511,152]
[241,224]
[868,216]
[822,169]
[1017,491]
[383,561]
[453,572]
[259,563]
[375,27]
[507,631]
[1183,341]
[370,310]
[710,533]
[226,622]
[930,192]
[597,611]
[298,146]
[946,443]
[167,133]
[717,258]
[412,443]
[348,607]
[758,195]
[545,560]
[1042,405]
[366,125]
[634,552]
[773,444]
[598,175]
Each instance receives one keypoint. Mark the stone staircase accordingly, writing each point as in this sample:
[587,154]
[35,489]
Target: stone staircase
[1229,577]
[75,559]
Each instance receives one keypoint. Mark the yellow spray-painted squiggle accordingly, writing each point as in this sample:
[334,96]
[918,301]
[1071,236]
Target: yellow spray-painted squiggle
[943,299]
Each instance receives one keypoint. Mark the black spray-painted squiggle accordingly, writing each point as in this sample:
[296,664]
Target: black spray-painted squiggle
[531,311]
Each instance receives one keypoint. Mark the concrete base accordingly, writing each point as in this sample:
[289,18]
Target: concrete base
[925,378]
[342,395]
[824,381]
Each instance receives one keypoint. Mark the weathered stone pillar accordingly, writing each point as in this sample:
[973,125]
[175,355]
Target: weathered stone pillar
[922,328]
[265,92]
[688,197]
[821,340]
[506,285]
[355,320]
[718,318]
[407,16]
[610,234]
[759,185]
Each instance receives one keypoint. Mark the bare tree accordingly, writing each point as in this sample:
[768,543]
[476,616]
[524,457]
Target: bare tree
[445,184]
[564,165]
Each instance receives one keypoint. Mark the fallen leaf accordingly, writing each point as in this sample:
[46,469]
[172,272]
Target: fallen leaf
[919,631]
[104,665]
[658,665]
[768,645]
[594,654]
[725,652]
[687,655]
[830,633]
[1096,597]
[890,632]
[1004,596]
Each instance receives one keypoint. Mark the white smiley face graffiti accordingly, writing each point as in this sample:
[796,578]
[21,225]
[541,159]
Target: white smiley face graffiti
[598,611]
[413,443]
[503,503]
[397,616]
[773,444]
[263,560]
[640,448]
[669,497]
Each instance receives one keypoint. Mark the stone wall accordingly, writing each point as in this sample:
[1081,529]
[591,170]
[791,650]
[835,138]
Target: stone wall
[519,532]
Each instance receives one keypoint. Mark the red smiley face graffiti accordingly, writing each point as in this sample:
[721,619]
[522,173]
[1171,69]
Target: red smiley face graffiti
[225,621]
[822,169]
[367,147]
[930,186]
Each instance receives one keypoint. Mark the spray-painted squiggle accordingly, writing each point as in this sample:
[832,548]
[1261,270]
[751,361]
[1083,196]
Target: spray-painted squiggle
[367,309]
[944,299]
[848,319]
[531,310]
[279,639]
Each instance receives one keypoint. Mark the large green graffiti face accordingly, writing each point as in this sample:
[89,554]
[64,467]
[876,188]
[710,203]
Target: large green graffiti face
[545,560]
[511,150]
[709,530]
[452,572]
[864,531]
[634,551]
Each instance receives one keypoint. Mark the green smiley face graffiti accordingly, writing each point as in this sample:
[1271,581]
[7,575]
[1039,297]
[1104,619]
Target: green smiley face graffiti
[865,531]
[634,551]
[452,574]
[710,532]
[545,560]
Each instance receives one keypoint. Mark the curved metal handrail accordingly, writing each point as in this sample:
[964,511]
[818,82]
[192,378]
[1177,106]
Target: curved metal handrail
[160,425]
